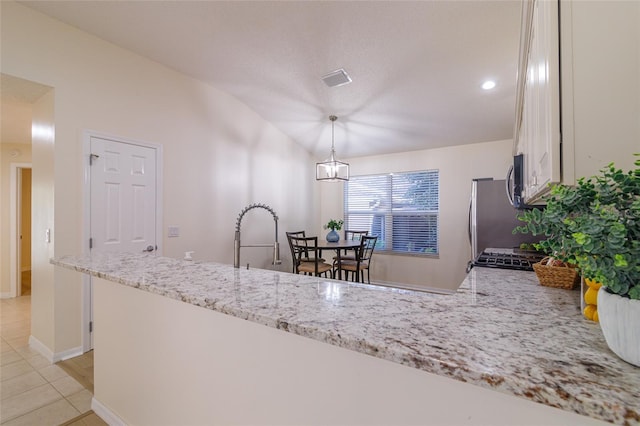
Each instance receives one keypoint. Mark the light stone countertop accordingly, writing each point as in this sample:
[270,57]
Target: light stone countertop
[501,330]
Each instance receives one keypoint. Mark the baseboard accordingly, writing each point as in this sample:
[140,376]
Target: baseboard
[50,355]
[106,414]
[41,348]
[69,353]
[8,295]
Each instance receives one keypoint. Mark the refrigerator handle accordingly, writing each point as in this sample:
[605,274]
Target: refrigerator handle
[509,185]
[470,263]
[469,221]
[472,219]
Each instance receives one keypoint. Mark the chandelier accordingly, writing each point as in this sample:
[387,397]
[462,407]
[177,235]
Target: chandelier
[332,170]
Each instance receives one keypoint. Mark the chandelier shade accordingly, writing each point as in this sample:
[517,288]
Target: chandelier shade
[332,170]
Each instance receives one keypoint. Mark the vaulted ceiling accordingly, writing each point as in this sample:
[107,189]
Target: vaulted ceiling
[417,66]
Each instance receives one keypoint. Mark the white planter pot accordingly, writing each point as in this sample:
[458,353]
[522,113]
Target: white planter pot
[620,323]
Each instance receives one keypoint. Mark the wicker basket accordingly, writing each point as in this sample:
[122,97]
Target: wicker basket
[565,276]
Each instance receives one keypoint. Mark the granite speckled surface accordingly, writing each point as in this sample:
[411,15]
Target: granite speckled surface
[501,330]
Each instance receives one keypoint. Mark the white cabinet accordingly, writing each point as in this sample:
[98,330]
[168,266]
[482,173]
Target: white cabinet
[578,106]
[538,129]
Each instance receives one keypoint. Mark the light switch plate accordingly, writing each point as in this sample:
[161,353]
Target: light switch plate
[174,231]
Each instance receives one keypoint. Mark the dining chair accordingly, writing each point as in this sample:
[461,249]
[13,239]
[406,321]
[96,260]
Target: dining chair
[294,260]
[293,256]
[353,236]
[362,262]
[307,258]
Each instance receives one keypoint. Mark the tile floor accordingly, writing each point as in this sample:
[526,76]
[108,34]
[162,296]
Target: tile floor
[33,391]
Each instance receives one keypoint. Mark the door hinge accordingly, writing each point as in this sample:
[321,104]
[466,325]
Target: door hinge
[90,326]
[90,243]
[92,157]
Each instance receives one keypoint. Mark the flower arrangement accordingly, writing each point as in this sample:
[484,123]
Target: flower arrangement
[334,225]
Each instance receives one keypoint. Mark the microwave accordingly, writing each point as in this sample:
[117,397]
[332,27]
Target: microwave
[515,183]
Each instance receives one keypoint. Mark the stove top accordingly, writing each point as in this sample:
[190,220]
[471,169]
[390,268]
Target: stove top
[507,259]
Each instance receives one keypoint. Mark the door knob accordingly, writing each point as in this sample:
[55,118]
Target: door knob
[148,249]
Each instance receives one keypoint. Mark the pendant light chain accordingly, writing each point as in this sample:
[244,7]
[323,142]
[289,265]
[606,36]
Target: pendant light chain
[333,119]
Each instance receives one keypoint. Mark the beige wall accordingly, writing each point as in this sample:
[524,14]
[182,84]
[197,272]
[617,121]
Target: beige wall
[458,166]
[219,156]
[43,289]
[9,153]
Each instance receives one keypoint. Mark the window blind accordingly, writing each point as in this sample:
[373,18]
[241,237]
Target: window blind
[401,209]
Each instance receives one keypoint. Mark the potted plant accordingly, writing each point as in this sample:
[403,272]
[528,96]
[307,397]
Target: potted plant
[596,225]
[608,238]
[563,204]
[334,225]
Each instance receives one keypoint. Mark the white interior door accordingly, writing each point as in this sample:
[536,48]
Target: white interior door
[123,197]
[123,193]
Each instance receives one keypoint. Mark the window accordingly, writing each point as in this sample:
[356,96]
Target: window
[401,209]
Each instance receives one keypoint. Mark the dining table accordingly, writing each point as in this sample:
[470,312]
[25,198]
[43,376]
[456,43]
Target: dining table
[338,247]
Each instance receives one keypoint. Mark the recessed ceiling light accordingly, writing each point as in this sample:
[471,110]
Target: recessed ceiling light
[336,78]
[488,85]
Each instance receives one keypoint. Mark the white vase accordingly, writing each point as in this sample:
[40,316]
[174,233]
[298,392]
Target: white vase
[620,322]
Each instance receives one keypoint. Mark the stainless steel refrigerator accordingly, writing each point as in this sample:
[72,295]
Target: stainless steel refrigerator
[492,220]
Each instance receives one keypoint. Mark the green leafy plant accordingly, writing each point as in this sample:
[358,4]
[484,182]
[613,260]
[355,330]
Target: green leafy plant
[334,225]
[609,235]
[595,225]
[563,204]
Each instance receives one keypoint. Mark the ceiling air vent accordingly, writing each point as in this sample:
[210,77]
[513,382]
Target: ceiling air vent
[336,78]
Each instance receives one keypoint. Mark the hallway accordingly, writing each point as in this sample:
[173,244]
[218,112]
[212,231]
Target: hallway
[33,391]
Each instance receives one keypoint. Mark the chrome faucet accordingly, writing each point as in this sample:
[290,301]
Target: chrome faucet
[236,242]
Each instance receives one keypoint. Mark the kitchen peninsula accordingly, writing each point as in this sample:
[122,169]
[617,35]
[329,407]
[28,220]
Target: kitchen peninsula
[203,343]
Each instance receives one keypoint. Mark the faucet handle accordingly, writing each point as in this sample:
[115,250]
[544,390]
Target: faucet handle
[276,254]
